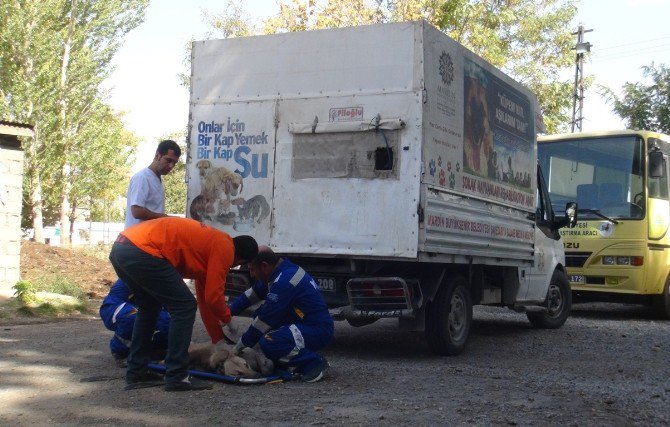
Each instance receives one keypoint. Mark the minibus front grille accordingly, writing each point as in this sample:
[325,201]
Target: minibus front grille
[576,259]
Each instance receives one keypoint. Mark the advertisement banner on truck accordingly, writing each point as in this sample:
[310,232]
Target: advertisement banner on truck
[480,130]
[230,174]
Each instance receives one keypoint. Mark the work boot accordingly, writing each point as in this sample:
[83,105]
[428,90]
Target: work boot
[188,384]
[148,379]
[316,371]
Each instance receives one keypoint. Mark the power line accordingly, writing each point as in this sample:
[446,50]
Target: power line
[633,51]
[634,43]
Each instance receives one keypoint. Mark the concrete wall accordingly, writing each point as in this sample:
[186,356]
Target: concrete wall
[11,185]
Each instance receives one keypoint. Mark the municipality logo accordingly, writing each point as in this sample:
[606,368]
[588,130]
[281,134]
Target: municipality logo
[446,68]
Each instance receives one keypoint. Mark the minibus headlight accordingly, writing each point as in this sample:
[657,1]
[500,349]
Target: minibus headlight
[623,260]
[608,260]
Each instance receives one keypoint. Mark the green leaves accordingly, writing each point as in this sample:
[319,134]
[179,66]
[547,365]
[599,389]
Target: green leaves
[55,54]
[645,105]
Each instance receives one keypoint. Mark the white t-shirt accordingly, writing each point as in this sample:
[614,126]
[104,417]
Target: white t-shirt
[145,190]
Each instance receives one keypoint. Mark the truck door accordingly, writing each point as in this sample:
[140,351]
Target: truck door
[548,246]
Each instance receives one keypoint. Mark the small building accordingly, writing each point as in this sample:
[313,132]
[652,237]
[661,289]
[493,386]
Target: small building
[11,193]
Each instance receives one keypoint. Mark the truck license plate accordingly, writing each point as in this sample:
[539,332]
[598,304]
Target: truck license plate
[326,283]
[577,279]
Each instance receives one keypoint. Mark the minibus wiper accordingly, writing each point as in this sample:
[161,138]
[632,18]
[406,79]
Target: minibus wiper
[597,213]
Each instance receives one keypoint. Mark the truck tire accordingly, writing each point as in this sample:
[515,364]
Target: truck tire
[449,318]
[358,322]
[662,302]
[558,302]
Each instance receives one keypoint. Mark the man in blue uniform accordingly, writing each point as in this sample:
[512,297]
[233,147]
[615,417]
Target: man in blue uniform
[118,313]
[293,322]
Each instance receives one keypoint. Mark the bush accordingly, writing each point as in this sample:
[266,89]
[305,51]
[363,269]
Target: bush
[24,292]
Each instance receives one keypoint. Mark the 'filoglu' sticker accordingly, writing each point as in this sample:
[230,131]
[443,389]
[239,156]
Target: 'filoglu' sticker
[605,228]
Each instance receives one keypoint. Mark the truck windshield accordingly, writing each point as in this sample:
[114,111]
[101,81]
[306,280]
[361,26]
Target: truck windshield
[603,175]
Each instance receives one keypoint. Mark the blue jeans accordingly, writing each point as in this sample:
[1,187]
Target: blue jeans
[155,283]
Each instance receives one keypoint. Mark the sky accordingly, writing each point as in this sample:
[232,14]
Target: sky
[627,34]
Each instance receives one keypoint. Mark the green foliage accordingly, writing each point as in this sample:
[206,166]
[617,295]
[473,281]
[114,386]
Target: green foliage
[54,56]
[645,105]
[58,284]
[24,292]
[31,304]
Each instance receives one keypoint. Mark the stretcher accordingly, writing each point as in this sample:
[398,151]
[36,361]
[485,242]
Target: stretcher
[272,379]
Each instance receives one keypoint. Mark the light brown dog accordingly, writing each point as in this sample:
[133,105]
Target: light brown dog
[207,358]
[216,179]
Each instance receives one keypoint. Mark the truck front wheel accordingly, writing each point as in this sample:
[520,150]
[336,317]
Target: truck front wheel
[449,318]
[558,303]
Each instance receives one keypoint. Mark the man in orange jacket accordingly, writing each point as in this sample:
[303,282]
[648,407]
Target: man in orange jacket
[153,257]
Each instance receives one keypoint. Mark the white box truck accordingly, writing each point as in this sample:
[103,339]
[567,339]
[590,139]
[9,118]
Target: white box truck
[393,164]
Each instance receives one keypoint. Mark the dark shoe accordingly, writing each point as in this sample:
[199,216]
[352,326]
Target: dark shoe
[188,384]
[316,372]
[148,379]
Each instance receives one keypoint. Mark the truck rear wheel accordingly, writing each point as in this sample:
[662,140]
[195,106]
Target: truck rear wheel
[449,318]
[558,303]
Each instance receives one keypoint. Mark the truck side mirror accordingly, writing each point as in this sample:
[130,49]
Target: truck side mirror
[571,214]
[656,164]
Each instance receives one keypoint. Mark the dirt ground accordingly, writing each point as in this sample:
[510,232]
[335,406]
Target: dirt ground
[608,365]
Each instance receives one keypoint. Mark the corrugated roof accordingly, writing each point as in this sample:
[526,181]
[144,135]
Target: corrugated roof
[16,129]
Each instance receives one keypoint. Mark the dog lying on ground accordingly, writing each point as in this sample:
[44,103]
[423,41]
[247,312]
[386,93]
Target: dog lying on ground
[250,363]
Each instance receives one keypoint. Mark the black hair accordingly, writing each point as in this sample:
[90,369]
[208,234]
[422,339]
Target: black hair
[266,255]
[168,144]
[246,248]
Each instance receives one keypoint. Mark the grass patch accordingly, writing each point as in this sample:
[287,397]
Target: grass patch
[50,298]
[58,284]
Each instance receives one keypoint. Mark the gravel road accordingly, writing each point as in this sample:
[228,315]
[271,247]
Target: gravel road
[609,365]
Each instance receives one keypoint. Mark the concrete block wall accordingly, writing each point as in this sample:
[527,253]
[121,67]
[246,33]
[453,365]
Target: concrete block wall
[11,187]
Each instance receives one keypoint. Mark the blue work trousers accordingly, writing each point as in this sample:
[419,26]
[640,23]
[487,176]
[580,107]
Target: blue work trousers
[295,345]
[155,283]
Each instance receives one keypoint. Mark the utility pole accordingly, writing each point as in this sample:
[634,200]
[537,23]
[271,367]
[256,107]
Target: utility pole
[578,94]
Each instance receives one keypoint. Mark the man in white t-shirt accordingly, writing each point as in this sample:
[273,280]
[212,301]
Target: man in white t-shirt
[146,194]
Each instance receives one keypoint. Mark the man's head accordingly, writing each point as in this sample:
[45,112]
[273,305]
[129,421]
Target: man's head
[246,249]
[167,156]
[264,264]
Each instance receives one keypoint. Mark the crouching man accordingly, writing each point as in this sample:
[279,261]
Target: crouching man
[118,313]
[293,322]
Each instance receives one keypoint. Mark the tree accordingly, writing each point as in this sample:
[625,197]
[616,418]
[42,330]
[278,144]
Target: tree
[54,55]
[529,39]
[644,105]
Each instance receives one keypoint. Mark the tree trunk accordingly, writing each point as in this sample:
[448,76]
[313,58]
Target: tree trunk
[35,190]
[65,133]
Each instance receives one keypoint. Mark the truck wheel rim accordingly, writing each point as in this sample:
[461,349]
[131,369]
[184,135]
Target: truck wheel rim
[457,316]
[554,300]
